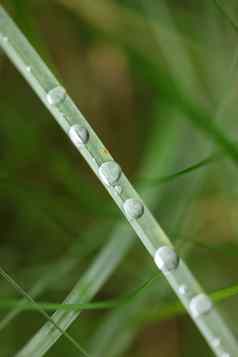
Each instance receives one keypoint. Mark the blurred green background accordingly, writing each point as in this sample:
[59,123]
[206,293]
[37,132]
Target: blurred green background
[157,81]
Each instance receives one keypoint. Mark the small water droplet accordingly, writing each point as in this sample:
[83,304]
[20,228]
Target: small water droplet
[56,95]
[5,39]
[216,342]
[110,173]
[95,161]
[134,209]
[79,135]
[200,305]
[183,290]
[118,188]
[28,68]
[166,259]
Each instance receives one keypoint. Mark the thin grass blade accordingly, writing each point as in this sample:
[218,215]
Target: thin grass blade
[55,98]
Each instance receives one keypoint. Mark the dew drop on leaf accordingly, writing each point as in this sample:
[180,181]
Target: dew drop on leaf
[166,259]
[200,305]
[110,173]
[133,208]
[56,95]
[79,135]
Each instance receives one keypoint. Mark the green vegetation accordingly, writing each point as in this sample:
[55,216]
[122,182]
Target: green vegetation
[138,71]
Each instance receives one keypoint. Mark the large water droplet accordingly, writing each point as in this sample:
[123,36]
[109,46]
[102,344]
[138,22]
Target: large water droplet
[134,209]
[110,173]
[200,305]
[166,259]
[79,135]
[56,95]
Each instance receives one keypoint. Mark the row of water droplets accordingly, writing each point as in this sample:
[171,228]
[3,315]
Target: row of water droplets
[110,173]
[165,257]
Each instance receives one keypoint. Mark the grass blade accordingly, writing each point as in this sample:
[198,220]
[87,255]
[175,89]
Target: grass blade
[86,288]
[63,267]
[97,305]
[123,324]
[103,266]
[139,216]
[226,15]
[41,310]
[149,55]
[167,178]
[170,310]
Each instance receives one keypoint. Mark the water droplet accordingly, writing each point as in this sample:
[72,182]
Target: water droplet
[134,209]
[28,68]
[79,135]
[56,95]
[118,188]
[225,354]
[95,161]
[110,172]
[216,342]
[200,305]
[166,259]
[5,39]
[183,290]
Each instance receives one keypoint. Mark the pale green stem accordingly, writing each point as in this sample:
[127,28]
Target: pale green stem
[53,95]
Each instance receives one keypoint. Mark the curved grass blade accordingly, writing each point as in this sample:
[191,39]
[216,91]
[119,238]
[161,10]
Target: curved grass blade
[174,309]
[86,288]
[63,267]
[42,311]
[167,178]
[97,305]
[37,289]
[54,96]
[165,312]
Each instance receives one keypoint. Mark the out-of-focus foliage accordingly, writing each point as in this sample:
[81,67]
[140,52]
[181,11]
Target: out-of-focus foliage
[132,67]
